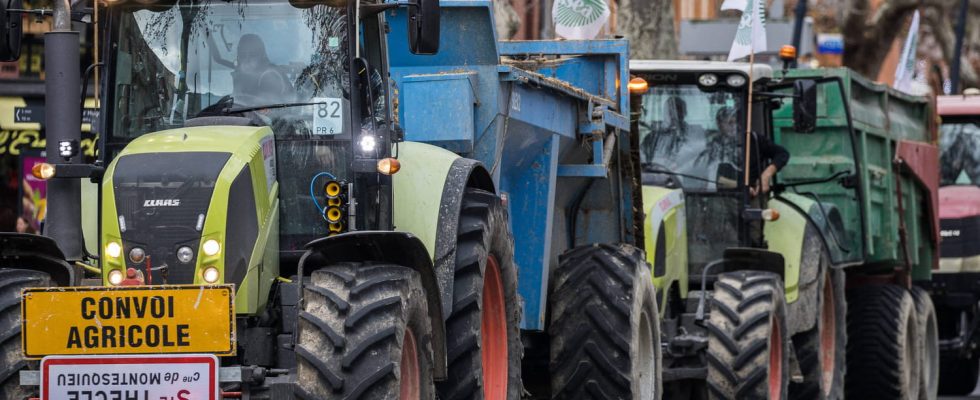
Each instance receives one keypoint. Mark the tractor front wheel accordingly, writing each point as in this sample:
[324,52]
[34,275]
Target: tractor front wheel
[364,333]
[821,350]
[748,344]
[605,332]
[12,282]
[483,337]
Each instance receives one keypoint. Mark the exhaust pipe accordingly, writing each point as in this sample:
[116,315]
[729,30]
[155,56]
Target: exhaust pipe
[62,122]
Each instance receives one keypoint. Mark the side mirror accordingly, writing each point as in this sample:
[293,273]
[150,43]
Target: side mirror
[11,29]
[423,26]
[804,106]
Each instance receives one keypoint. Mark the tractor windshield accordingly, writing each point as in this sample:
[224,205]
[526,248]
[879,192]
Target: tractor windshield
[272,63]
[691,134]
[960,147]
[207,58]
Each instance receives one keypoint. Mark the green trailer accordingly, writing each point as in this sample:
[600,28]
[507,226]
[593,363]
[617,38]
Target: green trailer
[849,224]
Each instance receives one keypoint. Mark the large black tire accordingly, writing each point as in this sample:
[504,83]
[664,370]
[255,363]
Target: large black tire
[356,330]
[748,343]
[928,332]
[821,356]
[957,376]
[486,314]
[604,327]
[12,282]
[882,345]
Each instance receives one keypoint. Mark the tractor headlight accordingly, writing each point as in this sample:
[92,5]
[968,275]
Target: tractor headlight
[210,274]
[137,255]
[367,143]
[113,250]
[211,247]
[735,80]
[115,277]
[185,254]
[708,79]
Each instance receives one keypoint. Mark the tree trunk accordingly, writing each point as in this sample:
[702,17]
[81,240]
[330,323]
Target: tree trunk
[870,31]
[649,25]
[506,19]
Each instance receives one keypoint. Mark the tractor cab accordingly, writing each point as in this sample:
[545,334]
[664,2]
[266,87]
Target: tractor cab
[692,129]
[196,66]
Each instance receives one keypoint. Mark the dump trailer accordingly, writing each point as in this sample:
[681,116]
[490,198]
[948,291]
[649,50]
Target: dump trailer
[778,295]
[954,287]
[289,208]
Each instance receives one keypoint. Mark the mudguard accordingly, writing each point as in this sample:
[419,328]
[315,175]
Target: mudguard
[36,253]
[665,239]
[399,248]
[428,191]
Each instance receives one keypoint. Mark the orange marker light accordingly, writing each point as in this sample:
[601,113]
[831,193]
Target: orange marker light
[770,214]
[389,166]
[787,53]
[638,86]
[43,171]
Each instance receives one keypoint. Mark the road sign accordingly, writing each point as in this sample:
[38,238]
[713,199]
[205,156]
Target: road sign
[156,377]
[128,320]
[830,43]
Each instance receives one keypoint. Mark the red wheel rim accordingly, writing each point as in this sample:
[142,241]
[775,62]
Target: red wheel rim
[410,379]
[493,333]
[775,362]
[828,335]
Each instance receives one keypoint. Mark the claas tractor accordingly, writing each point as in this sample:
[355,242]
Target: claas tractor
[337,199]
[954,287]
[802,291]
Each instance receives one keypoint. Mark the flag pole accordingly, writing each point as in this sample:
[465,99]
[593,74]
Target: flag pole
[748,120]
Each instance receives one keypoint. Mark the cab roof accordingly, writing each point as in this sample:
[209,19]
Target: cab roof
[759,71]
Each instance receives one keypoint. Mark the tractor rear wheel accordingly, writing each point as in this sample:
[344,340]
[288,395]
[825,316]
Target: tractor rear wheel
[12,282]
[928,329]
[748,344]
[883,344]
[821,350]
[604,328]
[364,333]
[483,337]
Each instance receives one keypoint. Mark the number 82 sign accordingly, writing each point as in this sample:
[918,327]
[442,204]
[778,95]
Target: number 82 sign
[328,116]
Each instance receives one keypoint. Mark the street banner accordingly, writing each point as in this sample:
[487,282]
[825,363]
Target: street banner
[751,34]
[579,19]
[905,70]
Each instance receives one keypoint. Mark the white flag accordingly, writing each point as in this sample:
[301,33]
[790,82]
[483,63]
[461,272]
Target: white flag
[579,19]
[905,69]
[751,34]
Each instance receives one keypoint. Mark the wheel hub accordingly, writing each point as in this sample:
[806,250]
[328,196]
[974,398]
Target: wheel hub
[493,333]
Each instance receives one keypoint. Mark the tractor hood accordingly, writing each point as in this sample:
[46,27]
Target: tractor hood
[168,192]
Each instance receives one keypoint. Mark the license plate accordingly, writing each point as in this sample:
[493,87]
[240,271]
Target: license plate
[147,377]
[128,320]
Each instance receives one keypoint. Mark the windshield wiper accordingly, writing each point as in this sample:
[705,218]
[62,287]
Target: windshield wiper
[230,110]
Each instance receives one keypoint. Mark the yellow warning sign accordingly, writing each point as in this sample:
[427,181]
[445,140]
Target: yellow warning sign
[128,320]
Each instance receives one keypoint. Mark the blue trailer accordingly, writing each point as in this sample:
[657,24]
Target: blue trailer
[549,120]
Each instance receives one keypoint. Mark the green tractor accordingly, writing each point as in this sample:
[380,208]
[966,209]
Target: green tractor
[802,291]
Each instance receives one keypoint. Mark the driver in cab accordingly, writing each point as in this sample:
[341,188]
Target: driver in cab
[766,158]
[254,76]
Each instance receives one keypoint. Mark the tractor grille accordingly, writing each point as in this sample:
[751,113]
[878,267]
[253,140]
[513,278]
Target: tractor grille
[960,237]
[162,201]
